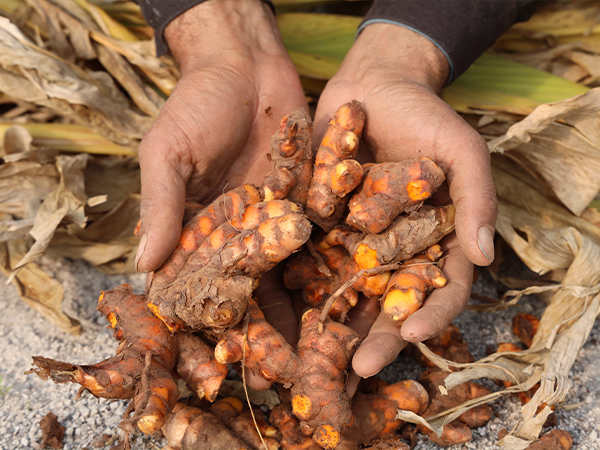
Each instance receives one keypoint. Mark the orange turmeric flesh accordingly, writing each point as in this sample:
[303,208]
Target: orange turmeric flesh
[390,189]
[410,285]
[334,177]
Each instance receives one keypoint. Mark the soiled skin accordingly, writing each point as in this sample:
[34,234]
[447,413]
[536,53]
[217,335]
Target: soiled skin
[237,82]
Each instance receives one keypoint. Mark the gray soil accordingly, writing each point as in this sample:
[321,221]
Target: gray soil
[92,423]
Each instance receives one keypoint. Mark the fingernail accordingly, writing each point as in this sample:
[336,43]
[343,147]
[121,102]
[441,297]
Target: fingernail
[140,250]
[485,239]
[419,338]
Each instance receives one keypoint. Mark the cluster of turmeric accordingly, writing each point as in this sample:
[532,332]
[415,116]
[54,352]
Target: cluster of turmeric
[342,231]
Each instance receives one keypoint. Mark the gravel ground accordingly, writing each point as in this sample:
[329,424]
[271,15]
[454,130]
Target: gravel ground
[91,423]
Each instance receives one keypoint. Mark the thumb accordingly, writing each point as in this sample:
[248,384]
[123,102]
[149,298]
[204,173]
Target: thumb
[161,208]
[474,196]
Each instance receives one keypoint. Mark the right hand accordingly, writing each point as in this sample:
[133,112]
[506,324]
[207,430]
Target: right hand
[213,133]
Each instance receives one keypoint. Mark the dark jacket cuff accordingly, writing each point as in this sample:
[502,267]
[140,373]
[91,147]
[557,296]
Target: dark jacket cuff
[462,30]
[159,13]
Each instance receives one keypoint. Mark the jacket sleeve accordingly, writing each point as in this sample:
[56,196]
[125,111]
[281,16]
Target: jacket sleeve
[159,13]
[462,30]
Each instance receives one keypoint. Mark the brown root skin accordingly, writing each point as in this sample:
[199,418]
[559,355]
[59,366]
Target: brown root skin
[375,414]
[197,229]
[458,431]
[216,296]
[282,418]
[554,439]
[303,272]
[291,155]
[525,326]
[319,398]
[332,177]
[267,353]
[410,285]
[390,189]
[244,427]
[198,367]
[191,428]
[141,369]
[391,443]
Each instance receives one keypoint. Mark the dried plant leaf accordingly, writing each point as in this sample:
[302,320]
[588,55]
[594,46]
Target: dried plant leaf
[29,73]
[16,140]
[106,240]
[65,202]
[38,289]
[161,71]
[70,138]
[560,144]
[146,99]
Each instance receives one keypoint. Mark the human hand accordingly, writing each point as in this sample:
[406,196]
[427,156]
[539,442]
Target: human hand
[397,75]
[213,132]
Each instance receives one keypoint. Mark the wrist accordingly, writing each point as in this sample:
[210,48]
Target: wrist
[223,30]
[400,51]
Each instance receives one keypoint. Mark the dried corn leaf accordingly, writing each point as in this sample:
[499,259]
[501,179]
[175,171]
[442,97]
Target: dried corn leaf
[69,138]
[560,145]
[105,22]
[66,202]
[161,71]
[29,73]
[569,61]
[106,240]
[38,289]
[145,98]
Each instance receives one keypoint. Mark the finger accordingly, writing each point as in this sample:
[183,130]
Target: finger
[276,304]
[442,305]
[362,317]
[162,203]
[352,384]
[380,348]
[252,381]
[473,194]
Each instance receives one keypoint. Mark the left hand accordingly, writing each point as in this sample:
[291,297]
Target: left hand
[397,75]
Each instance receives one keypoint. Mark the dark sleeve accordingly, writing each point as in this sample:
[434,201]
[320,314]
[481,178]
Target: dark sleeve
[159,13]
[462,30]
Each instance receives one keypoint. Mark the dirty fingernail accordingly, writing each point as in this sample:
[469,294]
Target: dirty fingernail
[140,250]
[485,239]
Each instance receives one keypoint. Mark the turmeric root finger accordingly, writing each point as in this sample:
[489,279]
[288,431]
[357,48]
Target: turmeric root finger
[198,367]
[392,188]
[243,426]
[250,219]
[194,232]
[319,399]
[282,418]
[291,155]
[267,353]
[141,369]
[332,177]
[409,286]
[375,414]
[458,431]
[554,439]
[191,428]
[216,296]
